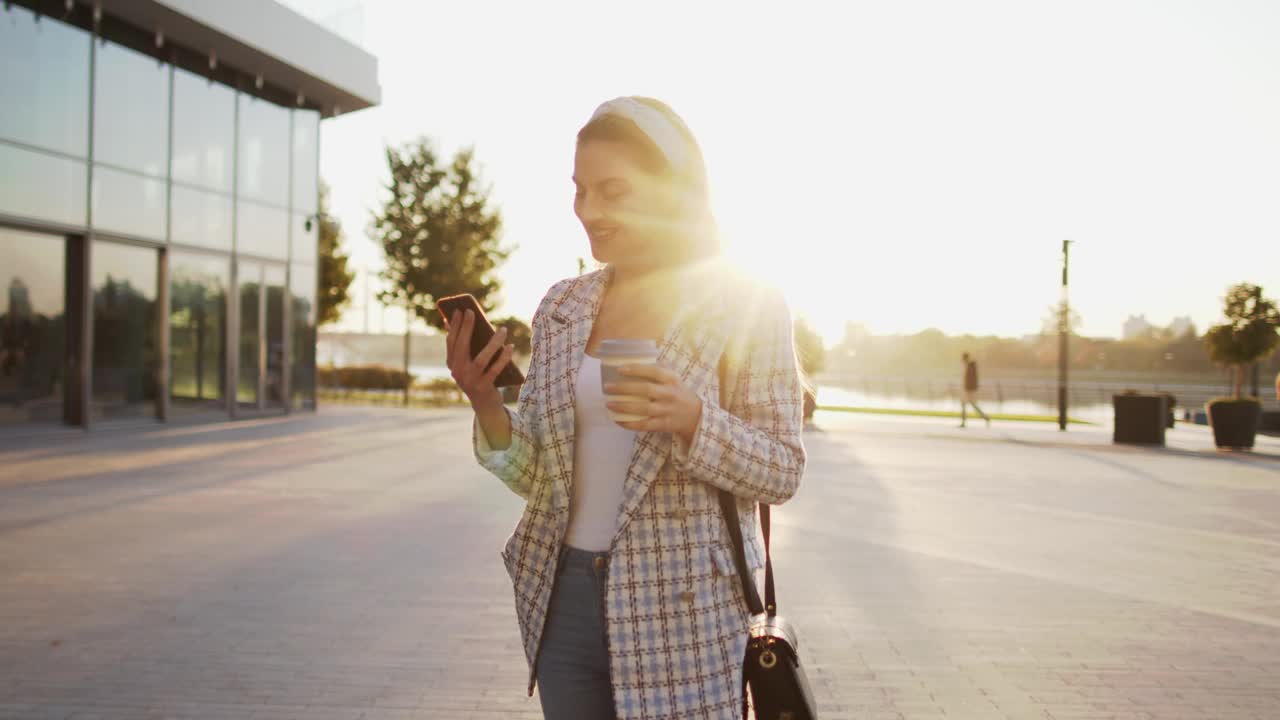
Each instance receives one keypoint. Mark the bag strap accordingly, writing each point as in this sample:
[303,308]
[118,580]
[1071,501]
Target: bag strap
[729,509]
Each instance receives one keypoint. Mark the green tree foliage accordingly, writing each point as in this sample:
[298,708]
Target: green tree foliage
[1051,324]
[1248,335]
[438,229]
[518,333]
[931,352]
[813,356]
[335,278]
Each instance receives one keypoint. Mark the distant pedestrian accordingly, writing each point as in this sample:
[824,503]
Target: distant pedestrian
[970,391]
[627,594]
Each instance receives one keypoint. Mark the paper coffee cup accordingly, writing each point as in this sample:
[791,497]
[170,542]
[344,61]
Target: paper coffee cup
[614,353]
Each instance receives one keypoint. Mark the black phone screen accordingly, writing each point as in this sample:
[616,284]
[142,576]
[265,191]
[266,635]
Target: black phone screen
[481,334]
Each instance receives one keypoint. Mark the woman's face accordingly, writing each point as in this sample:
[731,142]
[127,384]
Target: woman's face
[626,210]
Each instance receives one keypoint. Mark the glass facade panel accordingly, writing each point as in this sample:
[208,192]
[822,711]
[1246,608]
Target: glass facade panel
[44,82]
[131,110]
[249,277]
[201,218]
[264,151]
[32,327]
[197,329]
[128,204]
[262,231]
[306,149]
[124,330]
[42,187]
[241,174]
[305,241]
[302,289]
[274,278]
[204,125]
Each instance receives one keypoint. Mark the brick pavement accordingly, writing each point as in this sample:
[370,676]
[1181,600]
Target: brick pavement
[344,565]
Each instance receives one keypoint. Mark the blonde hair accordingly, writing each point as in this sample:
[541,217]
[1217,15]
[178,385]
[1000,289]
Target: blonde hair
[702,237]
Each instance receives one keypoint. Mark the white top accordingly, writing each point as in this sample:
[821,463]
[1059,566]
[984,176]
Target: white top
[601,454]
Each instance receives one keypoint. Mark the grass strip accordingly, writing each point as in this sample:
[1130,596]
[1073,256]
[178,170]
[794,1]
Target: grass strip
[950,414]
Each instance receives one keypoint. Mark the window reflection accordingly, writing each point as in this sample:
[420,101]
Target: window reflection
[306,147]
[197,329]
[201,218]
[45,75]
[264,151]
[124,329]
[40,186]
[302,290]
[274,277]
[204,123]
[131,110]
[127,203]
[249,278]
[32,327]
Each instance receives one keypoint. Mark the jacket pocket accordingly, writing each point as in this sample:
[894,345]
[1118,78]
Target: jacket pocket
[722,560]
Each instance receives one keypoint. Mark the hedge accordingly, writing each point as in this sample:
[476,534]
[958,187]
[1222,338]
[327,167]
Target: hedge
[362,377]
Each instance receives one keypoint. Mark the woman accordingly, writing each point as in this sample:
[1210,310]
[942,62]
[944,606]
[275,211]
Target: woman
[626,590]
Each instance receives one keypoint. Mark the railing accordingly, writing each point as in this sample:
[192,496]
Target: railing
[1003,394]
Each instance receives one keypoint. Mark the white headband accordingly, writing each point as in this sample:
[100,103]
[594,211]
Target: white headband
[652,122]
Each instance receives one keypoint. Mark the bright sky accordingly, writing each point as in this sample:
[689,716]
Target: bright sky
[901,164]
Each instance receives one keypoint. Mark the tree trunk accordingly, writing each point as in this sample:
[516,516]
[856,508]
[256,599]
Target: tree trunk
[1239,380]
[407,380]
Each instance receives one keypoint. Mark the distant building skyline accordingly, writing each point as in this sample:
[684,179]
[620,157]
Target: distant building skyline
[1136,326]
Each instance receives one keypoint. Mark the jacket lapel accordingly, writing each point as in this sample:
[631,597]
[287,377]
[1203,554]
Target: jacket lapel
[690,347]
[576,312]
[690,340]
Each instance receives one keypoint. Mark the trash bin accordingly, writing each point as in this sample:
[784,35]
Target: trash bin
[1140,419]
[1269,423]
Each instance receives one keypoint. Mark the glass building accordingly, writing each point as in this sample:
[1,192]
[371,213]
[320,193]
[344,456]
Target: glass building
[158,205]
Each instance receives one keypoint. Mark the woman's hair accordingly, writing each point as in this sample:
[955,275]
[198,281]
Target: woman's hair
[702,239]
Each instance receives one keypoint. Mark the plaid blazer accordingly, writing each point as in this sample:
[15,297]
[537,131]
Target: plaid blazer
[675,614]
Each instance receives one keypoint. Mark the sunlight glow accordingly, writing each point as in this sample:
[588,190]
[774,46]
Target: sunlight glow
[901,165]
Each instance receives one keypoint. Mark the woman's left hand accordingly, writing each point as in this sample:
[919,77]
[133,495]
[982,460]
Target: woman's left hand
[670,406]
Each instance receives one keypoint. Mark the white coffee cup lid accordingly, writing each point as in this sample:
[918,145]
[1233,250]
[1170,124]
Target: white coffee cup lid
[628,346]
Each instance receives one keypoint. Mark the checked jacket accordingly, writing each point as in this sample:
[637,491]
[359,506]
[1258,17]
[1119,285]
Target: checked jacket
[676,619]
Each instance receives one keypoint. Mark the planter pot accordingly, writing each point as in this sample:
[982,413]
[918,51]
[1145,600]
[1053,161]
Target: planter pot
[1235,422]
[1140,419]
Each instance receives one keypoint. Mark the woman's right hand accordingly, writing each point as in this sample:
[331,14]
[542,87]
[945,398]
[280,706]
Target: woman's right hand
[470,374]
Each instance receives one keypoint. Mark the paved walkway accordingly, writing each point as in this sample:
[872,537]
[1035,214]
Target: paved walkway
[344,565]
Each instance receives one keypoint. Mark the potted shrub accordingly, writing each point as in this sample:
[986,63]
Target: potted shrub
[1249,335]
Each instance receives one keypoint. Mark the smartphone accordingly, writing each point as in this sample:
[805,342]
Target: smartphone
[481,334]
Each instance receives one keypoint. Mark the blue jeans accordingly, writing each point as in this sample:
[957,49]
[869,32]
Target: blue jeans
[573,663]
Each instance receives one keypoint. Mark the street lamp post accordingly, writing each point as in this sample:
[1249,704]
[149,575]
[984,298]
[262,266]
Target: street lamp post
[1064,332]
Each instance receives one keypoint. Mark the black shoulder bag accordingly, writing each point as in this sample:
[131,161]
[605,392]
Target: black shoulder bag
[771,668]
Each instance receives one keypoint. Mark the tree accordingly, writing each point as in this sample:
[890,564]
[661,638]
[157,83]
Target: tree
[1052,322]
[813,357]
[438,231]
[335,278]
[1248,335]
[518,334]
